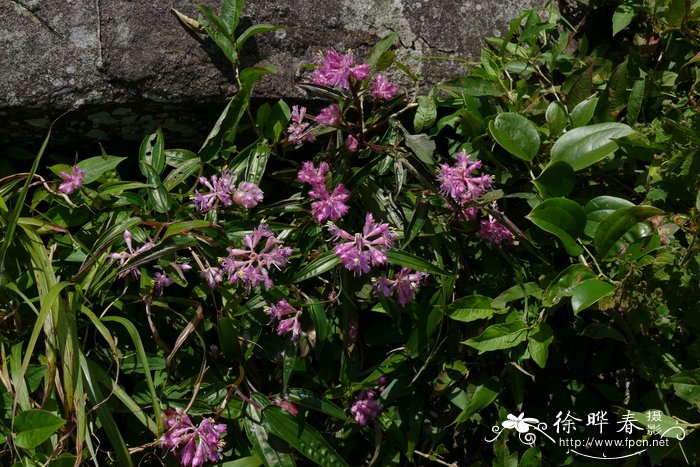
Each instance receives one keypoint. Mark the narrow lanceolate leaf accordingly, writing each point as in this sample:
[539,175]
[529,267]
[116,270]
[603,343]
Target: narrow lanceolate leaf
[516,134]
[588,292]
[312,401]
[562,217]
[254,30]
[483,396]
[325,262]
[612,231]
[318,316]
[151,153]
[380,47]
[302,437]
[584,146]
[158,195]
[185,226]
[499,336]
[272,450]
[33,427]
[408,260]
[257,161]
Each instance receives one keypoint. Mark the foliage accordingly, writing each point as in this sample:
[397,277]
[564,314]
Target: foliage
[381,283]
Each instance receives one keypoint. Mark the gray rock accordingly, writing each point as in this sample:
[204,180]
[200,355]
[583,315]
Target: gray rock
[123,67]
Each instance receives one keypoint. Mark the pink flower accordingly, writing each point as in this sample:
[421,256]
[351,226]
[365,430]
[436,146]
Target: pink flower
[288,318]
[286,405]
[160,281]
[357,251]
[212,276]
[71,180]
[494,231]
[250,265]
[220,189]
[404,284]
[329,205]
[279,310]
[459,183]
[247,195]
[366,408]
[298,131]
[125,256]
[382,88]
[330,115]
[335,70]
[197,444]
[313,176]
[351,143]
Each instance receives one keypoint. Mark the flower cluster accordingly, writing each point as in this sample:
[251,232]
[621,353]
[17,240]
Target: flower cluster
[161,281]
[125,256]
[329,205]
[335,70]
[298,131]
[366,407]
[222,189]
[404,285]
[494,231]
[287,317]
[197,444]
[250,265]
[382,88]
[357,251]
[71,180]
[330,115]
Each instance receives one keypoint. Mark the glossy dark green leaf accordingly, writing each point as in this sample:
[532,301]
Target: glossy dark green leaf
[531,458]
[302,437]
[582,113]
[499,336]
[33,427]
[157,194]
[601,207]
[584,146]
[182,172]
[483,396]
[538,341]
[562,217]
[250,461]
[557,179]
[272,450]
[324,262]
[471,308]
[95,167]
[516,134]
[151,153]
[318,315]
[517,292]
[556,117]
[589,292]
[310,400]
[408,260]
[257,161]
[615,226]
[566,281]
[634,105]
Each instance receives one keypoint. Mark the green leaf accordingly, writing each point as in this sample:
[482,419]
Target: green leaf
[324,262]
[33,427]
[254,30]
[158,195]
[151,153]
[516,134]
[426,113]
[408,260]
[589,292]
[185,226]
[601,207]
[613,231]
[622,17]
[556,117]
[95,167]
[517,292]
[471,308]
[499,336]
[422,146]
[257,162]
[379,48]
[473,86]
[483,396]
[584,146]
[556,179]
[562,217]
[687,386]
[181,172]
[603,331]
[634,104]
[218,32]
[583,112]
[115,188]
[312,401]
[302,437]
[531,458]
[289,358]
[250,461]
[538,341]
[566,281]
[231,13]
[318,316]
[272,450]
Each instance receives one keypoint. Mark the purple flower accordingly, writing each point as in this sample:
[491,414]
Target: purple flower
[220,189]
[125,256]
[351,143]
[286,405]
[71,180]
[250,265]
[356,252]
[330,205]
[247,195]
[197,444]
[160,281]
[288,318]
[494,231]
[382,88]
[212,276]
[330,115]
[298,131]
[404,285]
[335,69]
[313,176]
[459,183]
[366,408]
